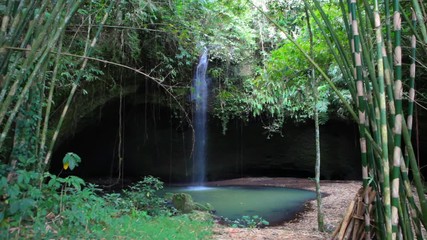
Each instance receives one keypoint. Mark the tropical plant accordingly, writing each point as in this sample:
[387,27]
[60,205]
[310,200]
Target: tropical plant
[143,196]
[278,85]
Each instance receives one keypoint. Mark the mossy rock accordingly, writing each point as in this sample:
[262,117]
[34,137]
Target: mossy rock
[183,202]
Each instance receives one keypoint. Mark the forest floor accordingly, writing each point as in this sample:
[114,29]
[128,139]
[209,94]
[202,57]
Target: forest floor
[337,196]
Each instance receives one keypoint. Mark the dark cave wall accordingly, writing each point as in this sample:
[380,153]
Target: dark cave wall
[157,143]
[293,154]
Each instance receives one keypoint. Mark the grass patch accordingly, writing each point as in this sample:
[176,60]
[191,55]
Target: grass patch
[138,226]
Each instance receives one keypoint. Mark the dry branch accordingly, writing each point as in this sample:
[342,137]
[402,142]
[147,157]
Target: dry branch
[352,225]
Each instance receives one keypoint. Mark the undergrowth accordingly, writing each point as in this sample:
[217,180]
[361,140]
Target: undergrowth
[254,221]
[45,206]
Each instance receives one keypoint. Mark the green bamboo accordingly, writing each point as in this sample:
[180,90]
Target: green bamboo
[380,217]
[411,97]
[4,60]
[415,173]
[405,220]
[344,66]
[370,124]
[397,130]
[50,98]
[18,24]
[22,98]
[411,26]
[361,102]
[383,120]
[414,210]
[388,41]
[420,19]
[368,15]
[75,85]
[38,50]
[38,89]
[369,65]
[415,213]
[388,76]
[344,57]
[43,53]
[344,13]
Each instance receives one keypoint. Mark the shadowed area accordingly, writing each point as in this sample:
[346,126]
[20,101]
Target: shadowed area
[157,143]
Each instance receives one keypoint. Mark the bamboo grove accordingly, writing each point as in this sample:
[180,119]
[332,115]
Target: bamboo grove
[374,74]
[31,42]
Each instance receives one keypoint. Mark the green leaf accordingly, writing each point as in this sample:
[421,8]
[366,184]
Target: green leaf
[71,160]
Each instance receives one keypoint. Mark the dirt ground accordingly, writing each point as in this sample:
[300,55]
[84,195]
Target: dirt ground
[337,196]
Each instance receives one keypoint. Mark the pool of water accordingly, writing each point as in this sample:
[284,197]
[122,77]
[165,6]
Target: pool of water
[274,204]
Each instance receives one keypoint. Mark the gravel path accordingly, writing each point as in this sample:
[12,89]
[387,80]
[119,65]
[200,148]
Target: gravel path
[336,198]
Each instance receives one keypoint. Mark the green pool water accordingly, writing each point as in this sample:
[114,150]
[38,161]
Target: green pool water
[274,204]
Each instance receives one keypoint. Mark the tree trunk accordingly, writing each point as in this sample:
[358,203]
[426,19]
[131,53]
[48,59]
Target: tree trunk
[320,223]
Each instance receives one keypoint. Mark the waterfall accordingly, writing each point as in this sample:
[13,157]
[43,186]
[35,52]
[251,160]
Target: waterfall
[200,96]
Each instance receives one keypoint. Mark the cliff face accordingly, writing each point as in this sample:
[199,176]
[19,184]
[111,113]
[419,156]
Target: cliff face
[155,142]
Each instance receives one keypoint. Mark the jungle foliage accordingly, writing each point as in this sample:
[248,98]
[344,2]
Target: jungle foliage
[59,60]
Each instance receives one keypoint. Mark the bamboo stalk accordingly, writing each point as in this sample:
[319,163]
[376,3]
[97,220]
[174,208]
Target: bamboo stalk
[415,212]
[416,174]
[420,19]
[411,97]
[39,63]
[14,34]
[343,65]
[360,86]
[404,219]
[343,56]
[383,119]
[75,85]
[33,57]
[4,60]
[397,130]
[388,45]
[50,98]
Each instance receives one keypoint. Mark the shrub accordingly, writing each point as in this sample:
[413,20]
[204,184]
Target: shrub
[247,222]
[142,196]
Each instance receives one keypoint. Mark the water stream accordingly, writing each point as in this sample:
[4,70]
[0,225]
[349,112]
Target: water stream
[200,97]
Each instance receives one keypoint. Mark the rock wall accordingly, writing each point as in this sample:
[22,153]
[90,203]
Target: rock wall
[154,142]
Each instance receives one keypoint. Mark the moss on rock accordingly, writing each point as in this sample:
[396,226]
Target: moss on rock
[183,202]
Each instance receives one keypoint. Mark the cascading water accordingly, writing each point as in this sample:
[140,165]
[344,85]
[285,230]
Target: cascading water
[200,98]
